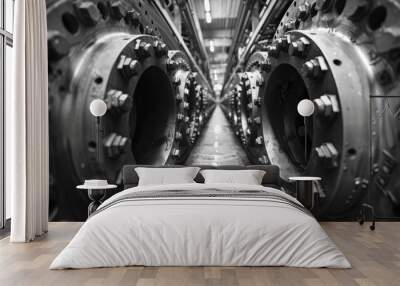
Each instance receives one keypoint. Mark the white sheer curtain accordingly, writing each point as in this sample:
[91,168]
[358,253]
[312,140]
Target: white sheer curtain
[27,124]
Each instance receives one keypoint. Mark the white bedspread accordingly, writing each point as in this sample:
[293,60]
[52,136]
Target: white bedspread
[200,231]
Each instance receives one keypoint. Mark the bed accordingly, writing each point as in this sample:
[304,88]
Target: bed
[198,224]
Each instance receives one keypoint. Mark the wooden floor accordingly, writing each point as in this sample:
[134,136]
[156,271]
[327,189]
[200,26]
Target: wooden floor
[375,257]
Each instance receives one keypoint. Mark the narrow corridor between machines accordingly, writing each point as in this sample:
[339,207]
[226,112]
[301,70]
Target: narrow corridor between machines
[217,145]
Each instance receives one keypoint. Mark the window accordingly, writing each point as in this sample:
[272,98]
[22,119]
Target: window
[6,44]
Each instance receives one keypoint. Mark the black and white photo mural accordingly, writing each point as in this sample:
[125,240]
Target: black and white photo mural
[164,106]
[124,53]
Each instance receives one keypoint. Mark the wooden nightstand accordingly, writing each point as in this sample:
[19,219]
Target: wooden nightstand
[96,194]
[304,190]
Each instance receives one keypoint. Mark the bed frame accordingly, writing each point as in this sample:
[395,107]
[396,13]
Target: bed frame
[271,178]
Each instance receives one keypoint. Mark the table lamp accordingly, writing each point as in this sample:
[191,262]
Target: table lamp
[98,108]
[305,108]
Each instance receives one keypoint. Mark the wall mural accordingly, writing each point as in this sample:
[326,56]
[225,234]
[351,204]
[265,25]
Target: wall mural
[342,55]
[124,53]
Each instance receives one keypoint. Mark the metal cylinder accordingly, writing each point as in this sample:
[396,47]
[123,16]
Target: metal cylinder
[343,57]
[100,50]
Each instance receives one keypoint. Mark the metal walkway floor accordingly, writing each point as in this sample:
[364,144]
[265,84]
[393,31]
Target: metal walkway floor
[217,144]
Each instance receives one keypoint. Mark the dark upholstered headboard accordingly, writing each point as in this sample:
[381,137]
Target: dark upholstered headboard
[271,178]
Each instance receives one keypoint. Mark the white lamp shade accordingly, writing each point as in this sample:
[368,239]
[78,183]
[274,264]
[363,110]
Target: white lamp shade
[98,107]
[305,107]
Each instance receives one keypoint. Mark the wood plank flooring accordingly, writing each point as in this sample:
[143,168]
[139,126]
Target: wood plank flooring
[375,257]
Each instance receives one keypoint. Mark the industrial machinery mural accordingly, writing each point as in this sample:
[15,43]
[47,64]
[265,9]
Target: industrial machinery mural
[345,57]
[124,53]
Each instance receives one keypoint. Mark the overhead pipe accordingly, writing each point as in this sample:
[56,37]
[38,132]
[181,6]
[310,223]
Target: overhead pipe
[269,14]
[194,25]
[245,9]
[171,24]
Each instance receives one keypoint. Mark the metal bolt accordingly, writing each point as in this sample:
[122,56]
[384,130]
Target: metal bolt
[263,159]
[180,116]
[118,101]
[112,97]
[143,50]
[160,48]
[171,65]
[115,145]
[303,12]
[248,92]
[132,17]
[122,61]
[257,101]
[289,25]
[327,105]
[273,50]
[283,42]
[191,79]
[178,135]
[179,96]
[375,168]
[328,154]
[117,10]
[266,65]
[128,67]
[148,30]
[89,13]
[58,46]
[243,139]
[260,81]
[259,140]
[257,120]
[243,76]
[299,47]
[177,80]
[176,152]
[315,67]
[134,67]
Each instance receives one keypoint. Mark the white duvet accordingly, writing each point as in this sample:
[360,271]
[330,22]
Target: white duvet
[200,231]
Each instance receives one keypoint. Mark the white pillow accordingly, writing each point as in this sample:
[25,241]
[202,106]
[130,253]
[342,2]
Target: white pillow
[248,177]
[163,176]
